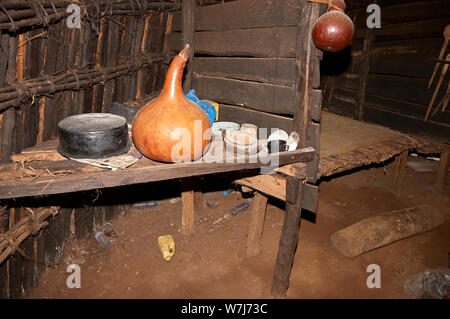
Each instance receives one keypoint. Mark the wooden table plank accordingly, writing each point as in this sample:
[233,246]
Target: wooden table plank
[142,172]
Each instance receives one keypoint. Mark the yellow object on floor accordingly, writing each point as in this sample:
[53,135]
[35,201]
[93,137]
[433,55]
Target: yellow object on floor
[167,246]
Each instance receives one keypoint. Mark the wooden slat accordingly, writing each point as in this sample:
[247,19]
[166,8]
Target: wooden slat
[243,14]
[265,42]
[409,30]
[405,123]
[261,119]
[411,89]
[405,12]
[272,71]
[259,96]
[408,108]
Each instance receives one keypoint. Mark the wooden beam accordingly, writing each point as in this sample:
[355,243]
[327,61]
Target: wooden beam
[289,237]
[259,96]
[188,13]
[305,69]
[417,29]
[261,119]
[258,211]
[242,14]
[405,12]
[316,104]
[264,70]
[361,93]
[313,140]
[274,42]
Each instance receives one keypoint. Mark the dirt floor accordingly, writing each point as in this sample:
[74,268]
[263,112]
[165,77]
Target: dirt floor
[212,263]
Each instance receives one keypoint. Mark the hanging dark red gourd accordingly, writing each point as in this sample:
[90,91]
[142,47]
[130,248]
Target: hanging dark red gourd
[333,31]
[336,5]
[171,128]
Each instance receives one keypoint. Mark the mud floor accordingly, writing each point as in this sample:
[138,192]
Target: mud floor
[212,263]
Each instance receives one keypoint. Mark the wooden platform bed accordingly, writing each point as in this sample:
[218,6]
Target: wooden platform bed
[257,59]
[345,144]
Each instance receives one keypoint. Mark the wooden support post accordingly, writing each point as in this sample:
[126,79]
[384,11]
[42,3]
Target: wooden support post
[188,12]
[259,206]
[442,170]
[289,237]
[400,169]
[364,74]
[304,70]
[187,198]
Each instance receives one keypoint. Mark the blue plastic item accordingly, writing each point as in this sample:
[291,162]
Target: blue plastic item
[208,108]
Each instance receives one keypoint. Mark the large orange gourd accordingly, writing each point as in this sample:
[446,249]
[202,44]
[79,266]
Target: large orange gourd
[171,128]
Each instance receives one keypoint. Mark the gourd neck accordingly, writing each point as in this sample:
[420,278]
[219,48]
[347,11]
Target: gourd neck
[172,85]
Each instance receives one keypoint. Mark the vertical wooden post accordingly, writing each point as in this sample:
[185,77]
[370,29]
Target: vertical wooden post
[304,70]
[187,198]
[400,169]
[259,206]
[442,170]
[289,237]
[364,74]
[188,13]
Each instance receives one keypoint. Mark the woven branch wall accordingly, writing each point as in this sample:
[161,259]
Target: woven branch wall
[49,71]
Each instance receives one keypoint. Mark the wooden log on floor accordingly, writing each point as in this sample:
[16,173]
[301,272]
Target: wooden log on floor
[258,210]
[187,198]
[442,170]
[400,169]
[381,230]
[289,237]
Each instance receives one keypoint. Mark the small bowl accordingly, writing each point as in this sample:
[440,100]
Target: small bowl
[241,143]
[249,128]
[219,127]
[278,135]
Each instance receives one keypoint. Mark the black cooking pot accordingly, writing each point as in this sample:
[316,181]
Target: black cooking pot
[93,135]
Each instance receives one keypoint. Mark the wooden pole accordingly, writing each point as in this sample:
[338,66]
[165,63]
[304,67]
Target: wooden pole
[188,12]
[364,74]
[187,198]
[259,207]
[442,170]
[289,237]
[400,169]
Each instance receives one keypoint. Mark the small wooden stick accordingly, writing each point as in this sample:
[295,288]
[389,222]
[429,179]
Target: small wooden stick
[447,98]
[443,102]
[441,54]
[433,98]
